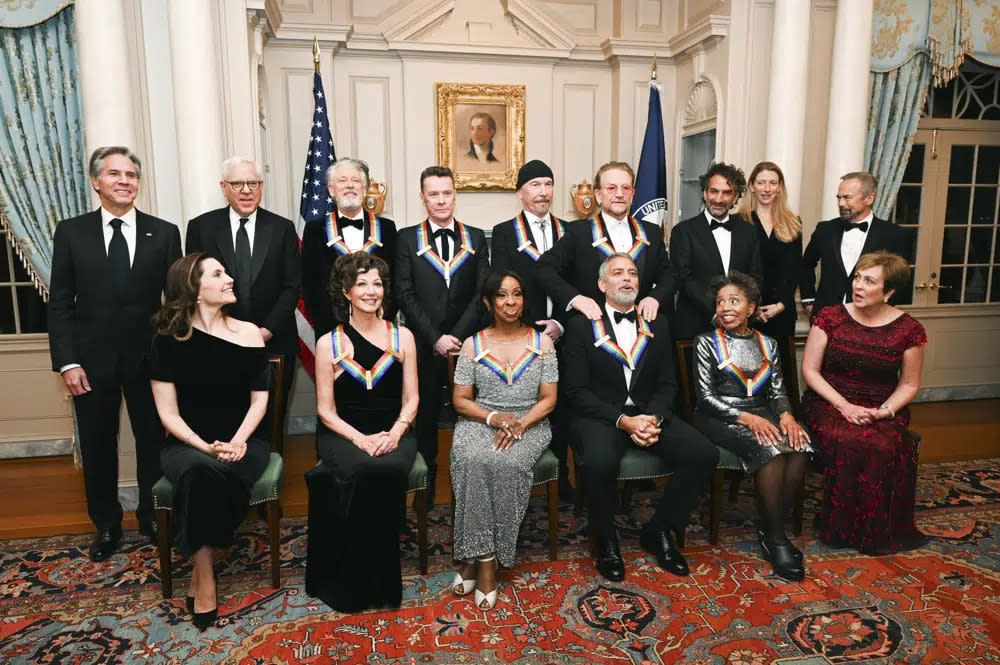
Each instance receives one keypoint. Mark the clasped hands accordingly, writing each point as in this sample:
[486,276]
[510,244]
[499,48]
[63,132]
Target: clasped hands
[643,429]
[860,415]
[377,444]
[509,430]
[228,451]
[767,433]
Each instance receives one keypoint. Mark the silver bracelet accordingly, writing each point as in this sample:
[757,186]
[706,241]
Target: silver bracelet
[491,414]
[892,414]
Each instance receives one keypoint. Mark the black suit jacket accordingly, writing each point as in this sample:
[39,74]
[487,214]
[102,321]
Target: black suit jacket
[274,261]
[824,249]
[570,267]
[593,380]
[697,260]
[317,260]
[432,308]
[505,255]
[89,323]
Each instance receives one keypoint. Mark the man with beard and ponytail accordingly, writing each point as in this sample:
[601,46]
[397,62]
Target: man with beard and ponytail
[620,385]
[347,229]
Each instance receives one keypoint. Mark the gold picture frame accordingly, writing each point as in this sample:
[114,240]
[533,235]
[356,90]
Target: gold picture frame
[480,129]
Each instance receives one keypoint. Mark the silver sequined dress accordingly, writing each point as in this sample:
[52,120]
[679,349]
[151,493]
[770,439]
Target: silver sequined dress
[721,396]
[491,487]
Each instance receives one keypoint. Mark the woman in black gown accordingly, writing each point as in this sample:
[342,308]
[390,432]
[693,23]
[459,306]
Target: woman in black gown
[366,398]
[209,377]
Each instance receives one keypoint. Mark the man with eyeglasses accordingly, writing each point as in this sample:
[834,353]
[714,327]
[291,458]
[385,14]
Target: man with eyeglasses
[260,250]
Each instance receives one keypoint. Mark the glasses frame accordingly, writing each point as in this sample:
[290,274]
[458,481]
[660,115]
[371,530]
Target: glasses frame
[238,185]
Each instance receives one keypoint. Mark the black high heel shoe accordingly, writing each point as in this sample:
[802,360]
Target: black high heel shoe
[203,620]
[782,559]
[796,552]
[189,603]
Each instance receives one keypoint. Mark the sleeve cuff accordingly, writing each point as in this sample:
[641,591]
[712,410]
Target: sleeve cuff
[618,420]
[569,305]
[562,328]
[66,368]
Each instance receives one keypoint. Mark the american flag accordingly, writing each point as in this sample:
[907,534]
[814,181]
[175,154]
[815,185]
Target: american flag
[316,202]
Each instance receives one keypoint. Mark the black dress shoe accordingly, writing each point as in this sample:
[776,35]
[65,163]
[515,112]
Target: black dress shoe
[148,529]
[105,543]
[783,560]
[189,603]
[796,552]
[660,543]
[203,620]
[609,560]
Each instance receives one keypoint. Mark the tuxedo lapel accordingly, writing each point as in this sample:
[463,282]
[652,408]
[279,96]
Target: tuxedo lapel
[261,242]
[144,241]
[703,234]
[875,236]
[640,260]
[93,244]
[224,241]
[838,239]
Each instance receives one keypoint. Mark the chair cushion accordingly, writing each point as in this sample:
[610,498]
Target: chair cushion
[267,488]
[638,464]
[418,475]
[546,468]
[728,461]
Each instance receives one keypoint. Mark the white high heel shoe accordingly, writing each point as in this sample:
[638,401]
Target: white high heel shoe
[487,601]
[461,586]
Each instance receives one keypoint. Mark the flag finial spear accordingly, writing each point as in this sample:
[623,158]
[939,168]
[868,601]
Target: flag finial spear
[316,53]
[652,74]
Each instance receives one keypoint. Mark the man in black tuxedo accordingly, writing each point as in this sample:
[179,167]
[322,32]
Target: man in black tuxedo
[517,245]
[622,392]
[260,250]
[440,267]
[568,271]
[709,244]
[349,229]
[837,244]
[109,268]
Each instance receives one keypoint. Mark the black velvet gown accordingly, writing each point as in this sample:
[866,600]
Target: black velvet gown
[213,379]
[782,265]
[357,504]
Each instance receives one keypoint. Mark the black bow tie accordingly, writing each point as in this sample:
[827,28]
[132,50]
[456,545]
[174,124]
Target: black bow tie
[716,224]
[630,315]
[444,232]
[356,223]
[860,226]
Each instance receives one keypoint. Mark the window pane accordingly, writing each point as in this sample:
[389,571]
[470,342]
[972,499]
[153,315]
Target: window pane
[995,285]
[950,277]
[980,244]
[975,283]
[4,267]
[961,163]
[910,244]
[20,274]
[953,249]
[6,311]
[31,308]
[984,205]
[957,206]
[908,205]
[915,166]
[988,169]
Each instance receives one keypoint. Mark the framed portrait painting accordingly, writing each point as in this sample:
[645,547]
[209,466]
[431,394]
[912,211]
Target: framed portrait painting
[480,132]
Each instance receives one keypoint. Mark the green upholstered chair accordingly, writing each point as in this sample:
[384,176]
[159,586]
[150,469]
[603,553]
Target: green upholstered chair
[266,491]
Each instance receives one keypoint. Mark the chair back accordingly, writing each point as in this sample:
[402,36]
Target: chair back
[790,369]
[685,362]
[275,415]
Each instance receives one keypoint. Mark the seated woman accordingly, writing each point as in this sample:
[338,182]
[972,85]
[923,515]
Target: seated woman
[742,405]
[862,365]
[505,386]
[366,398]
[210,380]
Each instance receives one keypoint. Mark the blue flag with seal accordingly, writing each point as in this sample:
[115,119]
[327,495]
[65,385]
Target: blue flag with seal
[650,202]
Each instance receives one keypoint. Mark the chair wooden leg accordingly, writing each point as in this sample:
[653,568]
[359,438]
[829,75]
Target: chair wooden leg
[627,497]
[798,512]
[420,507]
[552,490]
[274,531]
[163,544]
[734,487]
[718,486]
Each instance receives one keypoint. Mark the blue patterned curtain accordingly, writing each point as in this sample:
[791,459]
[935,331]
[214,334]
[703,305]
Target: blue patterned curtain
[41,140]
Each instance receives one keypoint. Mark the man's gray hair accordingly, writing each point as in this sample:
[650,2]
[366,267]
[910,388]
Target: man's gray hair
[98,156]
[348,161]
[236,160]
[869,183]
[602,272]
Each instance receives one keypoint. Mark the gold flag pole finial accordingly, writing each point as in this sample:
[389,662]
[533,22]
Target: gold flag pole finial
[316,53]
[652,74]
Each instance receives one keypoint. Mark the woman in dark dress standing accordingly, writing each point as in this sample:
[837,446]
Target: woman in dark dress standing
[779,231]
[209,377]
[366,398]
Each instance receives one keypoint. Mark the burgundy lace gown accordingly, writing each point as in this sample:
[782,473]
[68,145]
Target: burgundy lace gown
[871,470]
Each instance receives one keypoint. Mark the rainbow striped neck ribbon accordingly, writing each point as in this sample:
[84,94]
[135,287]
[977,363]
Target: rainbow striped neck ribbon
[335,240]
[727,364]
[524,241]
[602,339]
[369,377]
[426,249]
[604,245]
[506,373]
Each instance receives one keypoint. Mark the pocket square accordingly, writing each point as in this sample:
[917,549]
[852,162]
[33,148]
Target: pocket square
[149,235]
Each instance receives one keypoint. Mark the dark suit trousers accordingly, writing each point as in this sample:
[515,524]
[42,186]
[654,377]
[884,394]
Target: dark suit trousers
[599,448]
[433,370]
[97,414]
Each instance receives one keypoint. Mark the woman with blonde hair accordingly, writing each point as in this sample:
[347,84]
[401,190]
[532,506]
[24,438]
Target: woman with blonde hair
[780,234]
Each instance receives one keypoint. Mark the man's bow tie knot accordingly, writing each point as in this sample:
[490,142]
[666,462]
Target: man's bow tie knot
[345,222]
[716,224]
[630,315]
[860,226]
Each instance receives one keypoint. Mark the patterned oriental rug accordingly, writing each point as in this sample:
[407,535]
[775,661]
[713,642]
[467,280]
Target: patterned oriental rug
[939,604]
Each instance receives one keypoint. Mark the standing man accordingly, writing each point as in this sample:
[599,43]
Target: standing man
[619,378]
[440,266]
[568,271]
[518,244]
[837,244]
[347,229]
[260,250]
[711,243]
[109,268]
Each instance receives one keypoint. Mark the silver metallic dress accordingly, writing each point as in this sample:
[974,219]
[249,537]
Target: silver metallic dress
[723,393]
[492,487]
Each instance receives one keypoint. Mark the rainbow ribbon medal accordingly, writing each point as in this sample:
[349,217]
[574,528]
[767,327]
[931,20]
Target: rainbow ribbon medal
[728,365]
[524,242]
[447,269]
[602,243]
[508,374]
[369,377]
[630,359]
[335,240]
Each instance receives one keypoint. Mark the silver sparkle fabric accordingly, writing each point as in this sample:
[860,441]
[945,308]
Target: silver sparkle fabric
[492,488]
[720,397]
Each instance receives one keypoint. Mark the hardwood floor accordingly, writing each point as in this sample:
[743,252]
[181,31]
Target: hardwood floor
[45,496]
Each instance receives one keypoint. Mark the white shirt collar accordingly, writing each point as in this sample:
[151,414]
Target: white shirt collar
[481,152]
[611,311]
[360,214]
[710,219]
[128,219]
[234,218]
[611,219]
[533,219]
[869,218]
[434,227]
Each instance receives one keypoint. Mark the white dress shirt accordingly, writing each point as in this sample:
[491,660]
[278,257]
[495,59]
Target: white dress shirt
[723,240]
[619,232]
[625,334]
[544,239]
[439,243]
[353,238]
[234,226]
[128,230]
[851,244]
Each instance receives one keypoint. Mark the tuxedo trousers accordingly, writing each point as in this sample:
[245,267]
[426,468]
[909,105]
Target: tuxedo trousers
[434,378]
